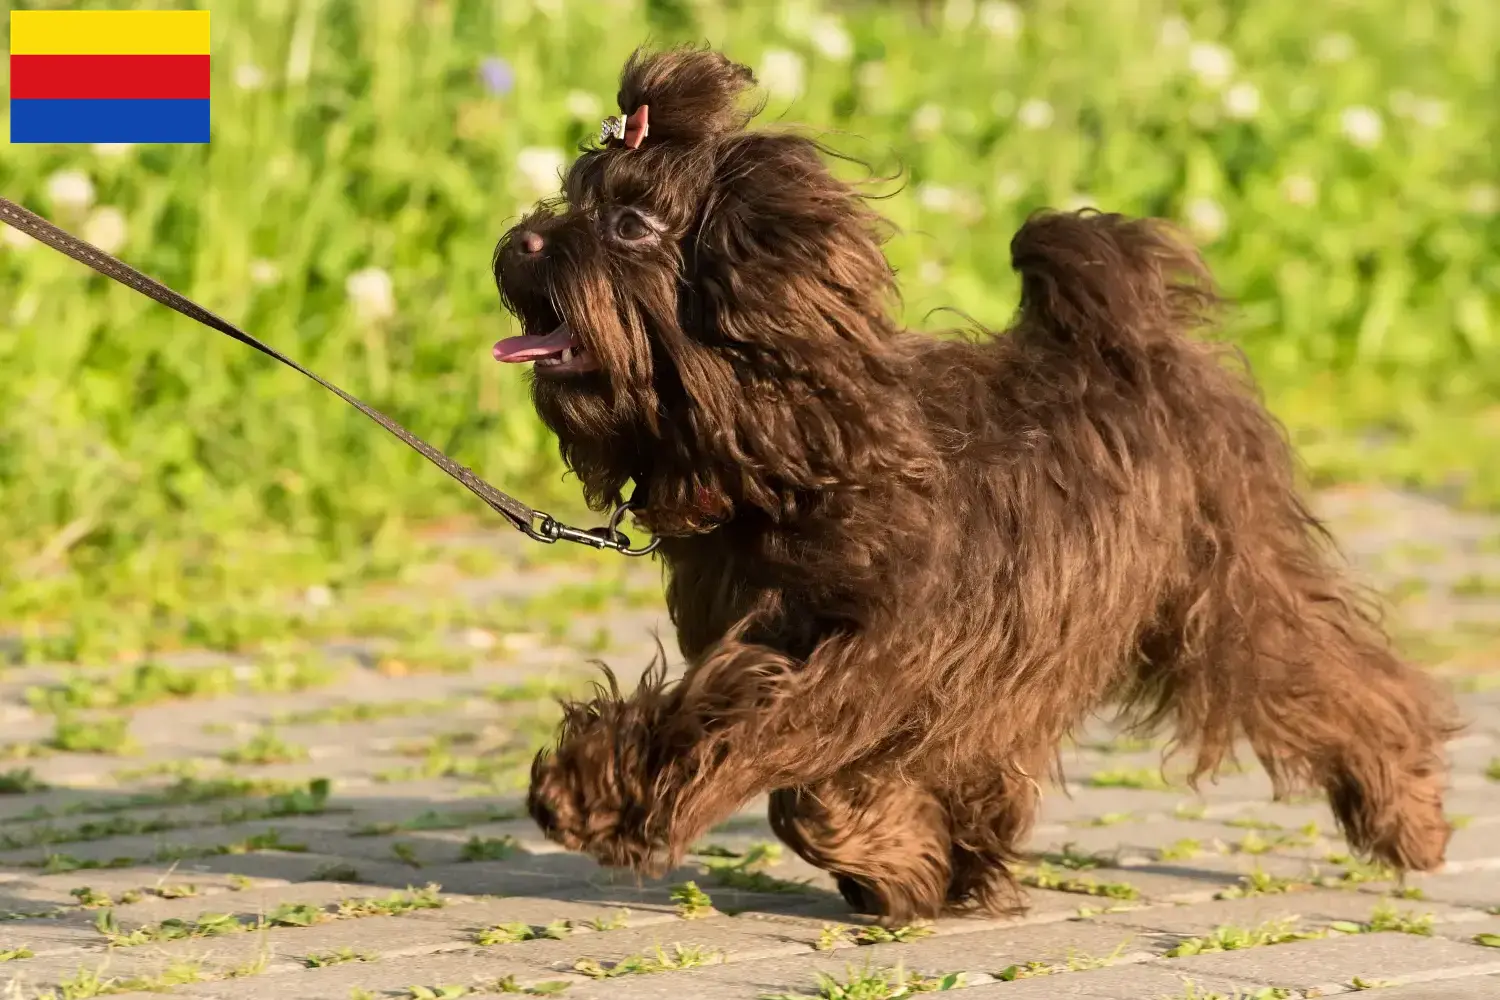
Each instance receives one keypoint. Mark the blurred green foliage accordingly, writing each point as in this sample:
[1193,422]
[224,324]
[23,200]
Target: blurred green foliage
[1335,159]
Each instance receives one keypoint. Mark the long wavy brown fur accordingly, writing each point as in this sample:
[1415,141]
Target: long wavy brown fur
[903,569]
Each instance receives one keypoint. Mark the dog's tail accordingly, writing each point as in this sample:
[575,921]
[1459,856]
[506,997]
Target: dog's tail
[1115,287]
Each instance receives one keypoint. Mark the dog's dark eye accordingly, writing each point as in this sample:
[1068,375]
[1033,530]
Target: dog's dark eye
[631,228]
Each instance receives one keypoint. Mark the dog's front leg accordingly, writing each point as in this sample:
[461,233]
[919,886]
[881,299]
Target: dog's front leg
[635,781]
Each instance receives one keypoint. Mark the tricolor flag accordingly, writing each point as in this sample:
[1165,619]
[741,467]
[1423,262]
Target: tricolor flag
[109,76]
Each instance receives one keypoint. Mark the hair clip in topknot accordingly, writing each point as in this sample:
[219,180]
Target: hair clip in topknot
[632,130]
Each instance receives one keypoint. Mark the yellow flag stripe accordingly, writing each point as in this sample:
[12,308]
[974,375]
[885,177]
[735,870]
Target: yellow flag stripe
[109,32]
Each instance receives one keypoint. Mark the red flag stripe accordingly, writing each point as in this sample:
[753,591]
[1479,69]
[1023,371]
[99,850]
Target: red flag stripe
[120,77]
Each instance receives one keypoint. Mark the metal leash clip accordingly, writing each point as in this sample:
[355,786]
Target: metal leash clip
[550,530]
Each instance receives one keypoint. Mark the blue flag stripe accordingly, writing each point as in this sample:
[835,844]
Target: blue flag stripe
[109,121]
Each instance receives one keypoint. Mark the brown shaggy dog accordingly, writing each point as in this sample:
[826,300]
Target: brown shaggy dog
[904,568]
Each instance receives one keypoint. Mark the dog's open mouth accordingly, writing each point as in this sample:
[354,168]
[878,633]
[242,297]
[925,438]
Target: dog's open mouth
[560,352]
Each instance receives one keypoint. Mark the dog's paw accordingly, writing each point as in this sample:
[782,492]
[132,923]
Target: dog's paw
[588,802]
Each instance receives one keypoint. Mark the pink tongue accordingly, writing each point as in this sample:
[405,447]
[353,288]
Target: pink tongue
[531,347]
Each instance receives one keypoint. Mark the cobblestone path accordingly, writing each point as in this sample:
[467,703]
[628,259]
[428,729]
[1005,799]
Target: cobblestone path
[342,821]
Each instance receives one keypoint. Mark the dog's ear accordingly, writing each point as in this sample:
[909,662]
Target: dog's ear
[783,241]
[694,94]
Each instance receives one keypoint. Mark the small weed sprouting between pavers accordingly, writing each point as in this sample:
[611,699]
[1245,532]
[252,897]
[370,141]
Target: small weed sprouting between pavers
[874,984]
[13,954]
[1261,883]
[1229,938]
[101,734]
[1192,992]
[616,921]
[744,871]
[488,848]
[692,902]
[681,957]
[1075,962]
[1359,983]
[1073,859]
[265,747]
[1180,850]
[431,819]
[1251,823]
[335,871]
[875,934]
[1493,770]
[286,915]
[406,854]
[1488,940]
[92,983]
[514,932]
[831,936]
[20,781]
[437,992]
[1141,778]
[545,988]
[1047,877]
[338,957]
[1386,918]
[1357,872]
[294,801]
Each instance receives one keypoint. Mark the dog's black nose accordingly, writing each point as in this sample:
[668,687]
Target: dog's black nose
[531,242]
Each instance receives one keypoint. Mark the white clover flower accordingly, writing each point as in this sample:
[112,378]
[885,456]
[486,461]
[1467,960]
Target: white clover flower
[930,272]
[958,14]
[1078,201]
[1001,18]
[112,149]
[1362,125]
[927,120]
[1300,189]
[1035,114]
[936,198]
[781,73]
[1009,187]
[1482,199]
[319,596]
[371,294]
[248,76]
[1206,219]
[582,105]
[478,638]
[106,229]
[828,36]
[541,168]
[1242,101]
[264,272]
[70,190]
[1334,48]
[1430,112]
[871,75]
[1174,33]
[1212,64]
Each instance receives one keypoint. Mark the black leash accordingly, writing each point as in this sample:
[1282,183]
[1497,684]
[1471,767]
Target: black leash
[535,524]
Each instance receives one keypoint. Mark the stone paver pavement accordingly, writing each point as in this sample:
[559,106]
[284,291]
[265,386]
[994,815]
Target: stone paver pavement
[349,826]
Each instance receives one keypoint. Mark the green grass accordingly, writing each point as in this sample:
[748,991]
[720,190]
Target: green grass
[163,484]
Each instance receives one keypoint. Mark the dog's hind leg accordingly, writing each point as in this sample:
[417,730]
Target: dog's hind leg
[1324,703]
[885,841]
[1368,729]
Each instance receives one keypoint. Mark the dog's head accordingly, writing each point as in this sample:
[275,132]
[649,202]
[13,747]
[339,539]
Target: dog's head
[706,308]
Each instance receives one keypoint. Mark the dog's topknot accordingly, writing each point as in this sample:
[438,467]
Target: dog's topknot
[694,94]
